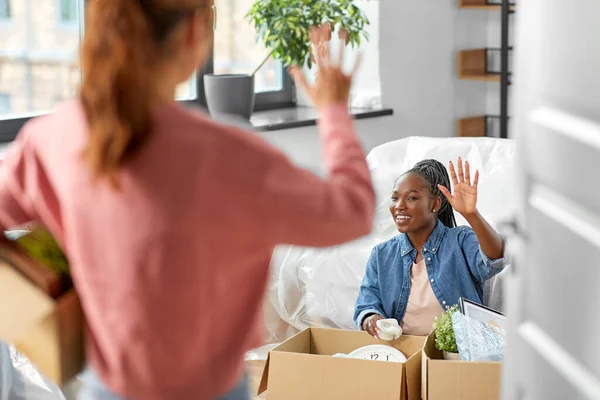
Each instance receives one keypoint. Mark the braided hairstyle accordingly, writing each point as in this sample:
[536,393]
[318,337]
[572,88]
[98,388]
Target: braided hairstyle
[434,173]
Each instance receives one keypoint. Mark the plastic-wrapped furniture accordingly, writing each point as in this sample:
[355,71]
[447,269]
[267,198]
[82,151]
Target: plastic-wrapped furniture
[318,287]
[21,380]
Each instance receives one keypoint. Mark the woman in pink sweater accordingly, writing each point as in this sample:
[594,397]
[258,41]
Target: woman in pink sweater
[169,219]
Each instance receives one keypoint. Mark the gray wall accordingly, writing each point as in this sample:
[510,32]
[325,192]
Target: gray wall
[418,45]
[303,147]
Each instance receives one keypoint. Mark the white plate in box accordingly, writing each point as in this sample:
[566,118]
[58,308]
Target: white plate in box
[379,352]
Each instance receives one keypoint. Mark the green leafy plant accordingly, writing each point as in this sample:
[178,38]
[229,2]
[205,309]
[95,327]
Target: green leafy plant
[444,333]
[283,26]
[40,245]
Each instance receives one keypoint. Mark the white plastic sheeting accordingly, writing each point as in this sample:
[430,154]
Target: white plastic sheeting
[21,380]
[318,287]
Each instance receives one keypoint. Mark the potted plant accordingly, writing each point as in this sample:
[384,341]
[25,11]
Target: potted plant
[45,322]
[50,269]
[444,334]
[283,26]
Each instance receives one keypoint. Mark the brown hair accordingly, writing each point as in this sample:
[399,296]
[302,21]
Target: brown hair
[122,43]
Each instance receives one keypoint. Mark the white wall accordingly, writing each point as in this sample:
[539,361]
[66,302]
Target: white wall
[418,42]
[303,147]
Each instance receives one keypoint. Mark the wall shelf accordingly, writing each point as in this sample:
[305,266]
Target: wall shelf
[482,64]
[478,126]
[473,65]
[473,77]
[483,5]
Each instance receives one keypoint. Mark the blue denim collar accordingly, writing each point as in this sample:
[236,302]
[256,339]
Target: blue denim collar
[432,244]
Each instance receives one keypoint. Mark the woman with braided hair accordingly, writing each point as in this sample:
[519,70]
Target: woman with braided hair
[414,276]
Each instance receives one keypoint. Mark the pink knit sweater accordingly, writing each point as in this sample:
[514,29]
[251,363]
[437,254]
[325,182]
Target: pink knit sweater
[171,269]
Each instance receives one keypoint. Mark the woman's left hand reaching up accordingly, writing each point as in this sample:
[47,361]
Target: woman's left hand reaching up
[464,198]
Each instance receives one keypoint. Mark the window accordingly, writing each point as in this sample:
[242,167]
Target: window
[39,64]
[67,11]
[236,51]
[4,9]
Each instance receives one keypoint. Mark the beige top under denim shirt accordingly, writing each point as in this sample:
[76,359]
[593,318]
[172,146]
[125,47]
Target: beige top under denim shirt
[422,306]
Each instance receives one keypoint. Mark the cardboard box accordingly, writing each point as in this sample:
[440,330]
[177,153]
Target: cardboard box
[458,380]
[302,368]
[49,331]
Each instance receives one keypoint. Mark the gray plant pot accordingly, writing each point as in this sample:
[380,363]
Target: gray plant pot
[229,94]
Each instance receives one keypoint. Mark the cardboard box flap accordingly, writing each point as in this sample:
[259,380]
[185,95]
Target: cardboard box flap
[429,351]
[332,341]
[20,294]
[457,380]
[467,380]
[264,380]
[429,348]
[412,345]
[299,343]
[413,374]
[303,367]
[306,376]
[71,322]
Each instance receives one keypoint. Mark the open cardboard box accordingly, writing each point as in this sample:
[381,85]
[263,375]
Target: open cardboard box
[302,368]
[458,380]
[43,324]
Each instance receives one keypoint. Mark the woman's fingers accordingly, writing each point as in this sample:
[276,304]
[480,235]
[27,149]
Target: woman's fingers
[369,329]
[476,179]
[374,328]
[331,85]
[298,76]
[461,174]
[315,39]
[357,61]
[327,30]
[343,35]
[467,173]
[320,37]
[445,192]
[453,174]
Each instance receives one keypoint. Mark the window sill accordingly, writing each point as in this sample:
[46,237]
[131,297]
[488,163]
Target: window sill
[278,119]
[297,117]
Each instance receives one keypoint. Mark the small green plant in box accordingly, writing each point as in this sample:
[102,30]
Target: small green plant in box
[34,252]
[444,333]
[283,26]
[40,245]
[37,242]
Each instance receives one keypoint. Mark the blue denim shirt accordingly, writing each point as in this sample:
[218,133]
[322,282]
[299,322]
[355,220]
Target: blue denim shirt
[456,267]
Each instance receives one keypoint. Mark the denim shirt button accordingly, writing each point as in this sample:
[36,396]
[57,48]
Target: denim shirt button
[428,258]
[444,302]
[432,281]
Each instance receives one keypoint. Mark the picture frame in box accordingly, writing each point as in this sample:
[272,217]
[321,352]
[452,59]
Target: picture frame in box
[43,321]
[483,313]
